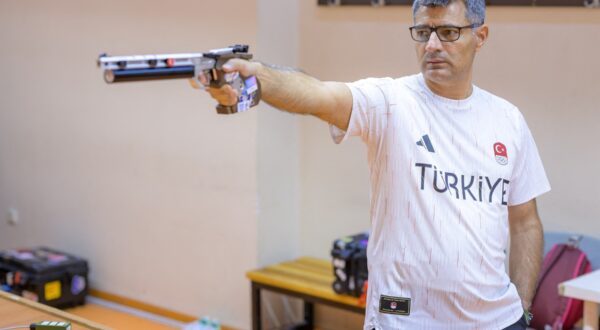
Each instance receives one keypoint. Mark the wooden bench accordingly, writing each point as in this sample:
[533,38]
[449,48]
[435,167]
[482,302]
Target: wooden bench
[307,278]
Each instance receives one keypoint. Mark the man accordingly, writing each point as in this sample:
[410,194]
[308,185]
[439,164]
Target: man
[454,170]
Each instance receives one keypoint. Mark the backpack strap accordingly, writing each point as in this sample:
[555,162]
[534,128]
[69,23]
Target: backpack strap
[558,249]
[557,324]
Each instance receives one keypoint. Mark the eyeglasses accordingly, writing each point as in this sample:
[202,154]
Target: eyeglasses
[446,33]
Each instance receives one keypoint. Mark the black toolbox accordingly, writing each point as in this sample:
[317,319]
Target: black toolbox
[349,260]
[44,275]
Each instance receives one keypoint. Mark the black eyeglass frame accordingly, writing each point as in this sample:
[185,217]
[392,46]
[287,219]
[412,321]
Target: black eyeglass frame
[435,28]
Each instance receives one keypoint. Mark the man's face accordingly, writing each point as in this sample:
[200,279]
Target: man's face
[446,62]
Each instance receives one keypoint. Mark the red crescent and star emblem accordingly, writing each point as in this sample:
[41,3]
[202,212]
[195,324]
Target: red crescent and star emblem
[500,153]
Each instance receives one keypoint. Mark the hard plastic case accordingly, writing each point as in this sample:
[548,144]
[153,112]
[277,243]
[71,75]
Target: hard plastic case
[45,275]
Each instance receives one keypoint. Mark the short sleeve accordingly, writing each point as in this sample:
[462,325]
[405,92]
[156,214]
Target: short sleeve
[529,179]
[368,98]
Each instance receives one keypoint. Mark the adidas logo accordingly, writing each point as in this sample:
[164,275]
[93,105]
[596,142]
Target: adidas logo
[425,142]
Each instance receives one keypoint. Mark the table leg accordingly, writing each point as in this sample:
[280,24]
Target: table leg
[590,315]
[309,312]
[256,321]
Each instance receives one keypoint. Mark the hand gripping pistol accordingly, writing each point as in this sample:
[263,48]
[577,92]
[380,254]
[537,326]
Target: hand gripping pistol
[187,66]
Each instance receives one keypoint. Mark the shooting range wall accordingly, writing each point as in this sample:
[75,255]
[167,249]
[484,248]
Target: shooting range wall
[144,180]
[172,204]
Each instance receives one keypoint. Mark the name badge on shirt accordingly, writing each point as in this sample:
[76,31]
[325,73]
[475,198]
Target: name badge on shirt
[394,305]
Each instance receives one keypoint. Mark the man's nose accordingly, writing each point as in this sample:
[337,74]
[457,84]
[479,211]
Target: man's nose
[434,43]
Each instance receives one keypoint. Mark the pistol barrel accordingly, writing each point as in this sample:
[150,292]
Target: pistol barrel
[124,75]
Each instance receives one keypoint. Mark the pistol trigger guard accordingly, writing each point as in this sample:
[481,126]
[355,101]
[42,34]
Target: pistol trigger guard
[201,69]
[196,83]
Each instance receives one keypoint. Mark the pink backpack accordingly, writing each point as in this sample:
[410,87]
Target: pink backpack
[563,262]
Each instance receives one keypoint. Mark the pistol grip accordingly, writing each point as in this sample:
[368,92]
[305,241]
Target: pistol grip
[249,93]
[226,109]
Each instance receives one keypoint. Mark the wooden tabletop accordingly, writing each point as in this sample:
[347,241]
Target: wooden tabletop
[17,311]
[306,275]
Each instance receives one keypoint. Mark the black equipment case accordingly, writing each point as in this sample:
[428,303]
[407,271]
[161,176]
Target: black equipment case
[44,275]
[349,260]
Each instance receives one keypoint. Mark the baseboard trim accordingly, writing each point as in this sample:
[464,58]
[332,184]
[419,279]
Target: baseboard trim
[135,312]
[142,306]
[164,312]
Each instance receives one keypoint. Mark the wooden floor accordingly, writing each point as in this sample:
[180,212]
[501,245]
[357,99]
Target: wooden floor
[96,314]
[116,319]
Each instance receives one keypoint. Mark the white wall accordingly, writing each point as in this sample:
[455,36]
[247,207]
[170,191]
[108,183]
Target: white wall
[144,180]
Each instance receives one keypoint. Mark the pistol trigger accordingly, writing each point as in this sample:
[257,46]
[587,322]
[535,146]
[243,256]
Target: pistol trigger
[230,77]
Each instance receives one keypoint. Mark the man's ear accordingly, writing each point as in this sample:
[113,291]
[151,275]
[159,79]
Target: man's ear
[481,35]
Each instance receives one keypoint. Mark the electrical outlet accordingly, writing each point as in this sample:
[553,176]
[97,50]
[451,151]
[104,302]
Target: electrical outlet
[13,216]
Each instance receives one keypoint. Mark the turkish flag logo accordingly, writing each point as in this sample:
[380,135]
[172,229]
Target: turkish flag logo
[500,153]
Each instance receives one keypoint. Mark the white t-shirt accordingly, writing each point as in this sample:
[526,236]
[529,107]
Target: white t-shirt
[442,173]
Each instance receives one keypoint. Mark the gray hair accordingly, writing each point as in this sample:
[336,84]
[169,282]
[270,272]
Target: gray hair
[475,8]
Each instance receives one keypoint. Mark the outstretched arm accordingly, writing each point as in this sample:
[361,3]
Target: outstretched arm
[526,249]
[292,91]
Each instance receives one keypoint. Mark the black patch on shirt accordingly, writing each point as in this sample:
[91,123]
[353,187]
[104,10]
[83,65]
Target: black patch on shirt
[394,305]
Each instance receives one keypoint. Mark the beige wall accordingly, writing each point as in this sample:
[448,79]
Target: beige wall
[278,160]
[172,203]
[144,180]
[277,141]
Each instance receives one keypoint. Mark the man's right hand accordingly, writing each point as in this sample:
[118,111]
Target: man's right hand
[225,94]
